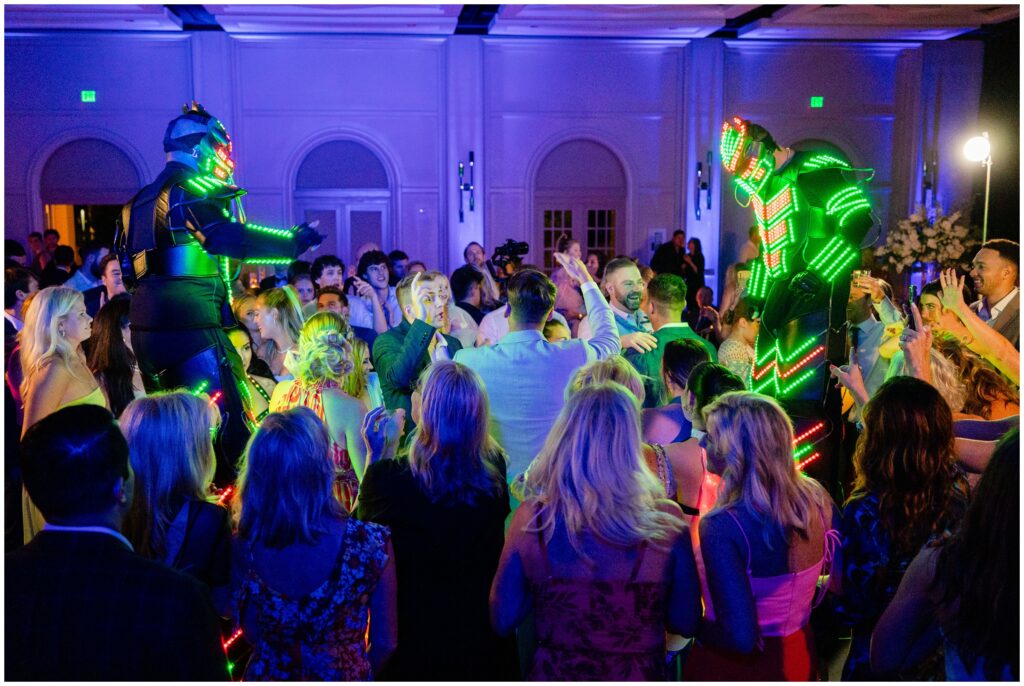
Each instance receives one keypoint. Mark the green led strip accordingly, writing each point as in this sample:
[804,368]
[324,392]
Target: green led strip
[823,160]
[758,285]
[280,233]
[270,260]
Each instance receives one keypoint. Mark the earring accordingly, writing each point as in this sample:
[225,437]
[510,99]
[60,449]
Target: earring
[61,332]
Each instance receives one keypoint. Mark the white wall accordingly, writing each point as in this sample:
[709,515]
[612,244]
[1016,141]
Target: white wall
[423,102]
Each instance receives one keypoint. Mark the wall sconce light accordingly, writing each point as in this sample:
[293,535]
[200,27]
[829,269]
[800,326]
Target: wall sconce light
[466,187]
[703,185]
[930,174]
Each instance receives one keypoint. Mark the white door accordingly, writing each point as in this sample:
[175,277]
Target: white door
[348,223]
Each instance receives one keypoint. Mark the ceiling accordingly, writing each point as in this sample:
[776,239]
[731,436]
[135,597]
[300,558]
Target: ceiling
[796,22]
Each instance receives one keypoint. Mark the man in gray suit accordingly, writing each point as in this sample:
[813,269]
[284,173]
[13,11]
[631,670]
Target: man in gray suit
[995,272]
[524,374]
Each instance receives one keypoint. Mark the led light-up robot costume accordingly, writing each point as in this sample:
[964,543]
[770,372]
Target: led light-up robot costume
[812,215]
[182,235]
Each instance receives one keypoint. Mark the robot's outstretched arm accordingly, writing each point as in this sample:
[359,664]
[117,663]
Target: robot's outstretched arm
[210,221]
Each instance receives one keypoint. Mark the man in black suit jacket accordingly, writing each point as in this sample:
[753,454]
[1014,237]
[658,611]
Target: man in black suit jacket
[80,604]
[401,354]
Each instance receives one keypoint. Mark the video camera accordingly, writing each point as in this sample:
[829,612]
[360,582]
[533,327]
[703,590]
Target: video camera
[507,252]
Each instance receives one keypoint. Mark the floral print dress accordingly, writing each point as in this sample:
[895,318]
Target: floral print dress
[320,636]
[346,484]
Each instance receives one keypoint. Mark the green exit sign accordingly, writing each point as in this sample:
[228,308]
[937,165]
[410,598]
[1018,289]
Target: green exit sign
[88,96]
[817,101]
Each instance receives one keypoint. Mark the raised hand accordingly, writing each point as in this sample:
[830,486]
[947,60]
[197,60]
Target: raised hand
[364,289]
[381,431]
[574,268]
[850,377]
[916,344]
[952,296]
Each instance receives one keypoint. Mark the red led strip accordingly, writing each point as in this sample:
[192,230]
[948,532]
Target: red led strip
[802,362]
[808,461]
[759,375]
[777,233]
[805,434]
[234,637]
[225,495]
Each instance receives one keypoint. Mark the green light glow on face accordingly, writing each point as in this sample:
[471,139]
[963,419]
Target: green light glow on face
[88,96]
[817,101]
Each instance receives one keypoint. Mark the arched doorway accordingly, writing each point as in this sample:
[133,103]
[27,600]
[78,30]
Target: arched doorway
[82,186]
[344,185]
[580,190]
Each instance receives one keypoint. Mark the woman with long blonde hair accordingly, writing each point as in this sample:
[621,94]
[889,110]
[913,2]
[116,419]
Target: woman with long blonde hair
[55,368]
[173,517]
[599,547]
[322,360]
[279,319]
[758,602]
[446,507]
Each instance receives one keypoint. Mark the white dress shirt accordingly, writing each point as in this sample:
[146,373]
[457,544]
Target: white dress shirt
[995,310]
[525,377]
[360,310]
[640,317]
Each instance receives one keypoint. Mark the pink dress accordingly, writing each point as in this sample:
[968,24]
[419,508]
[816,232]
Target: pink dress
[785,650]
[346,484]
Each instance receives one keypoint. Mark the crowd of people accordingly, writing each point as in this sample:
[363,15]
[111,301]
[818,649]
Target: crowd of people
[503,473]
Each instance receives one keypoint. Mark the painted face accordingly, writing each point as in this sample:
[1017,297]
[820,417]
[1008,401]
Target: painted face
[626,287]
[377,275]
[78,324]
[475,255]
[112,278]
[593,264]
[989,271]
[330,302]
[331,275]
[242,346]
[304,287]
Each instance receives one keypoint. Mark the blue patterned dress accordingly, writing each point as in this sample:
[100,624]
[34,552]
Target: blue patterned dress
[320,636]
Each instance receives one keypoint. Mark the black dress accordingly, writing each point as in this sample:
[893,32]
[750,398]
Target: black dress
[199,543]
[446,556]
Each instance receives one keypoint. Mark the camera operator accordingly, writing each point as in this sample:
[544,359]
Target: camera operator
[490,294]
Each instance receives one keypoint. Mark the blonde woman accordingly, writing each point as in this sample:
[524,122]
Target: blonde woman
[173,518]
[56,373]
[322,361]
[764,545]
[446,507]
[279,319]
[305,574]
[357,381]
[599,548]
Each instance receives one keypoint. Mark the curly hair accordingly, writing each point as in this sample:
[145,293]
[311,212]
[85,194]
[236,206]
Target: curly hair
[324,352]
[906,457]
[983,384]
[945,377]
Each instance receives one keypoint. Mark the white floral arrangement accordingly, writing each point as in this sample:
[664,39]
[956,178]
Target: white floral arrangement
[941,240]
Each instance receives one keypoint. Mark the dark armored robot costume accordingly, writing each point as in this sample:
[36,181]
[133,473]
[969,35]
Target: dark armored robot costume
[178,235]
[812,215]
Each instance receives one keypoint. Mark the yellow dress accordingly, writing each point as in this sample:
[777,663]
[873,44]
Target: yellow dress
[31,518]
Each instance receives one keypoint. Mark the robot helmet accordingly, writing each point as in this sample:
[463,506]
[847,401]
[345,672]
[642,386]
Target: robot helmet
[200,134]
[747,150]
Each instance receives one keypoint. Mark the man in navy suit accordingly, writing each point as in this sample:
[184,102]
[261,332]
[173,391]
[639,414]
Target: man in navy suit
[81,605]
